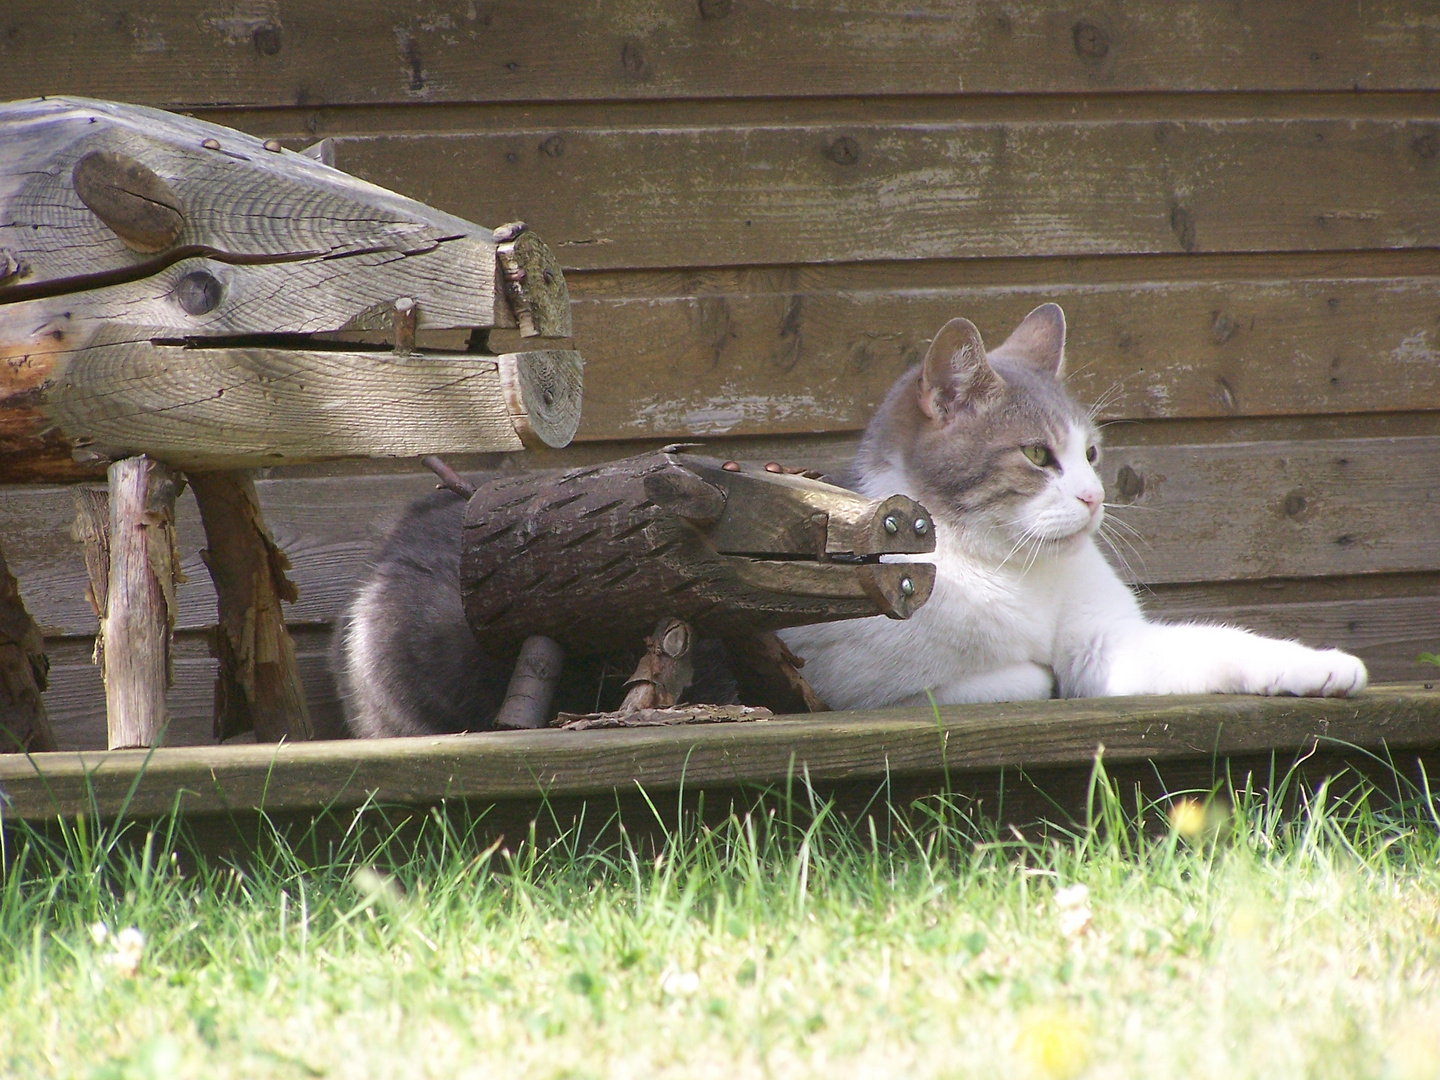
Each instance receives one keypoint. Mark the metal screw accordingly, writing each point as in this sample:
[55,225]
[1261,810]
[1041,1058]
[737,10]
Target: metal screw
[921,526]
[731,466]
[891,525]
[211,144]
[273,145]
[907,587]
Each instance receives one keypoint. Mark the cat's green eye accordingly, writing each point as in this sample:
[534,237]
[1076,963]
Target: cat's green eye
[1092,455]
[1038,454]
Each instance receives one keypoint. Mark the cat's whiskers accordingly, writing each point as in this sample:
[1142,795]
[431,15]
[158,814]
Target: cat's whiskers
[1107,397]
[1119,555]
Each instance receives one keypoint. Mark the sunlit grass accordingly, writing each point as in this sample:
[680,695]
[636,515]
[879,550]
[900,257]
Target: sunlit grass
[788,943]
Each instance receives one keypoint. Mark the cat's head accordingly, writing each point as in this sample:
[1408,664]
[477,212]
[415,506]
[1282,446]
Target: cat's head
[991,442]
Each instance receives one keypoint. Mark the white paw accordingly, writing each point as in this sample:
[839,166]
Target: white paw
[1320,673]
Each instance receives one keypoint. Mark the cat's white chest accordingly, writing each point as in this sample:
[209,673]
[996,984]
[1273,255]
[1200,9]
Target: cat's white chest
[979,621]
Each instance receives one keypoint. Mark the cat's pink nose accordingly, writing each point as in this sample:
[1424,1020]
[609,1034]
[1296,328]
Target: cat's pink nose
[1091,497]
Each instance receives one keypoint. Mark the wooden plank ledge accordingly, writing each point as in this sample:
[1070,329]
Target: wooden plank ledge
[832,747]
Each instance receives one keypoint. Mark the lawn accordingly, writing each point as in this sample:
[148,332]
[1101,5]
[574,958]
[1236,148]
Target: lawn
[1238,942]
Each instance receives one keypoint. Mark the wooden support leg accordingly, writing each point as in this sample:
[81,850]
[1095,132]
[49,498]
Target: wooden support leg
[24,727]
[258,684]
[532,685]
[139,605]
[665,669]
[768,674]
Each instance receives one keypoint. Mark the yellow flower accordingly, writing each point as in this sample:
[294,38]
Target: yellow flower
[1054,1044]
[1188,818]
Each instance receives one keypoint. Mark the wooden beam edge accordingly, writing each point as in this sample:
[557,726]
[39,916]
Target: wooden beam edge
[826,747]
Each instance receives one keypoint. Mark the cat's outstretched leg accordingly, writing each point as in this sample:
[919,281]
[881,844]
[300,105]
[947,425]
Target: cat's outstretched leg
[1156,658]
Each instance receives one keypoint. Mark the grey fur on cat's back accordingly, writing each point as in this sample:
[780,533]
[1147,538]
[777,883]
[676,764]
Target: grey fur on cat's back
[404,658]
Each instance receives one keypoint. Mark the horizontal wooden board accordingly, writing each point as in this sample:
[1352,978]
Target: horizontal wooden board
[196,52]
[1263,510]
[1387,632]
[835,746]
[800,355]
[1211,512]
[779,193]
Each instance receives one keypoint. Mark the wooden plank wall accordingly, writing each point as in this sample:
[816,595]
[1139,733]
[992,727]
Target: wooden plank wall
[766,209]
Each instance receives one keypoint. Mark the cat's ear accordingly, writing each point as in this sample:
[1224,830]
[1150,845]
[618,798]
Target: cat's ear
[955,374]
[1039,341]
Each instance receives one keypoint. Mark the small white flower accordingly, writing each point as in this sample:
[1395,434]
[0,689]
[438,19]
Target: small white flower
[679,983]
[99,932]
[1072,896]
[129,947]
[1075,914]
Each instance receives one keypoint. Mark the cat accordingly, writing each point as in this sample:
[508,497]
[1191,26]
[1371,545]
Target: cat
[1025,605]
[404,659]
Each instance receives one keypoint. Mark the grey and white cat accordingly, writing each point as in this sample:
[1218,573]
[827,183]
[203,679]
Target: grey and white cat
[404,657]
[1025,605]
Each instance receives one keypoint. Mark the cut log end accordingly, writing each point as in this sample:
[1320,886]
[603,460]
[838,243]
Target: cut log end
[542,393]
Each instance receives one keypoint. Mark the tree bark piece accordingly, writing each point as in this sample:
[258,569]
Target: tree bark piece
[140,603]
[24,727]
[257,686]
[663,717]
[532,685]
[768,674]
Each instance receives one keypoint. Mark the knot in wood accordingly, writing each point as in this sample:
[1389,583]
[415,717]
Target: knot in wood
[130,198]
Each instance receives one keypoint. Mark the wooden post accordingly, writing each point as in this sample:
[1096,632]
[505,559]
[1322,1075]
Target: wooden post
[532,684]
[139,608]
[24,727]
[257,686]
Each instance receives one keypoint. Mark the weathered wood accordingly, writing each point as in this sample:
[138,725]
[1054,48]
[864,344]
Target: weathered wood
[939,189]
[140,604]
[666,716]
[24,726]
[242,203]
[592,557]
[815,349]
[768,674]
[380,51]
[836,746]
[532,685]
[215,408]
[132,200]
[257,684]
[1337,506]
[665,668]
[534,285]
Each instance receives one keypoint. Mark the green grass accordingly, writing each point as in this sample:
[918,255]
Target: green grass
[1264,945]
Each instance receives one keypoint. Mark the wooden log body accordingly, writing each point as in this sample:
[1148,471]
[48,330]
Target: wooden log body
[594,557]
[177,288]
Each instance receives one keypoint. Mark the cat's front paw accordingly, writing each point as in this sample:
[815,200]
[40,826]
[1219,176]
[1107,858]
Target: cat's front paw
[1321,673]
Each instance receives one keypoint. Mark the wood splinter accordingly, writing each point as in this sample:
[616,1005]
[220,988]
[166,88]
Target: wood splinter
[257,682]
[24,727]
